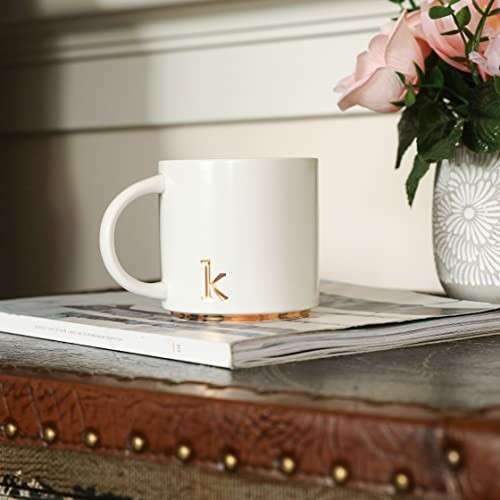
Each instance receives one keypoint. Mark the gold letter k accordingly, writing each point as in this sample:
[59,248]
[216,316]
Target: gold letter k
[210,285]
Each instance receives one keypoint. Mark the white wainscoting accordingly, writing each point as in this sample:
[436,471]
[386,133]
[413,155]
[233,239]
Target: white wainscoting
[205,62]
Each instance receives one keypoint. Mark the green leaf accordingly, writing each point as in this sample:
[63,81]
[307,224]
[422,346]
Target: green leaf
[445,147]
[434,123]
[496,79]
[451,32]
[401,76]
[410,98]
[420,168]
[407,132]
[399,104]
[431,60]
[468,33]
[438,12]
[459,58]
[435,77]
[462,109]
[458,81]
[482,130]
[463,17]
[420,72]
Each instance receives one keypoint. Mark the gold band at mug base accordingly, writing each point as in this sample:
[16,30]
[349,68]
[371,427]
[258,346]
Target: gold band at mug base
[242,318]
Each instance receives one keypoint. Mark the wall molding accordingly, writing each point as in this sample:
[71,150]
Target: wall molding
[208,62]
[188,27]
[16,11]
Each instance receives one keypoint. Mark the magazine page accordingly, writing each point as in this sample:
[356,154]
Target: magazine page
[341,306]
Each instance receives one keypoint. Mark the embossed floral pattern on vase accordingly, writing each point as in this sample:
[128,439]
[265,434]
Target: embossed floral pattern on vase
[466,220]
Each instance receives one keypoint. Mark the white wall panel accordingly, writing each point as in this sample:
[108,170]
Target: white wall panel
[224,61]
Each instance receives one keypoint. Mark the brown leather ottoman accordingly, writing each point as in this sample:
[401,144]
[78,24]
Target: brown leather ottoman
[86,423]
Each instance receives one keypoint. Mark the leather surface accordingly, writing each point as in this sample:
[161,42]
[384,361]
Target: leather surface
[374,441]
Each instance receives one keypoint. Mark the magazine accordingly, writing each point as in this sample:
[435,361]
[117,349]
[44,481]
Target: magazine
[350,319]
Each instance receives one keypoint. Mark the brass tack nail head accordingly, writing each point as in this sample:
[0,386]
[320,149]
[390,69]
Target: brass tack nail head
[183,452]
[230,462]
[453,458]
[49,434]
[287,465]
[138,443]
[402,482]
[10,429]
[91,439]
[340,474]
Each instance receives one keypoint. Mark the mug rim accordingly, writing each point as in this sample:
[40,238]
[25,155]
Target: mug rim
[200,161]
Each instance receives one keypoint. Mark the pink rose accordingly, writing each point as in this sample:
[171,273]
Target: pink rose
[489,63]
[492,27]
[375,83]
[414,20]
[449,46]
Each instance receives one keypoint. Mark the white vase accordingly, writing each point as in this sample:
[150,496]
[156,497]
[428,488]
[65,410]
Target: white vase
[466,225]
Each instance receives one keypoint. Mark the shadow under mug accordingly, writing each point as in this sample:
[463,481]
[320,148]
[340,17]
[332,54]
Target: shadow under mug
[238,238]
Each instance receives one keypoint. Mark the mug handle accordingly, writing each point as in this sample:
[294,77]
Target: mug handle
[153,185]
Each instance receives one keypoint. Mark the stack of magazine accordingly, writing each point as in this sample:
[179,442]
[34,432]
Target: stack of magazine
[349,320]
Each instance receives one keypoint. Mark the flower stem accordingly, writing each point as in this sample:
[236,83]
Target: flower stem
[478,35]
[480,26]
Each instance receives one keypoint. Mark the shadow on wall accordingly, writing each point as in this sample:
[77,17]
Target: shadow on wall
[38,216]
[33,245]
[52,193]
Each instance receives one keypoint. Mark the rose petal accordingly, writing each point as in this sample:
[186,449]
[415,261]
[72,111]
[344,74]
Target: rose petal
[492,27]
[403,51]
[478,59]
[344,84]
[415,23]
[366,64]
[375,93]
[447,46]
[377,46]
[492,55]
[481,63]
[460,5]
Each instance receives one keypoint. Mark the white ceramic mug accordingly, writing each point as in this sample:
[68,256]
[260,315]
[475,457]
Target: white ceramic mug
[239,238]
